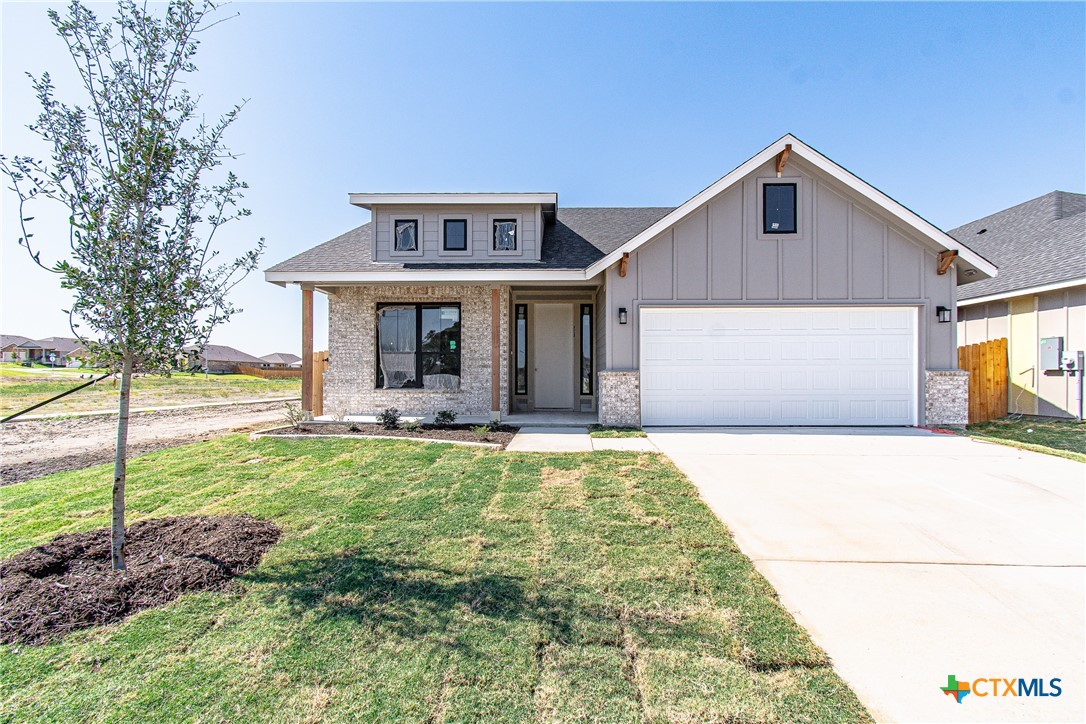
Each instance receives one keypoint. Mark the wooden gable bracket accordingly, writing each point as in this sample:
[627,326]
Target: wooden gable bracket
[622,264]
[782,158]
[946,258]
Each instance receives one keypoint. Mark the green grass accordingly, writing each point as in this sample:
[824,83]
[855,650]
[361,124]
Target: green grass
[21,387]
[1064,438]
[425,581]
[613,431]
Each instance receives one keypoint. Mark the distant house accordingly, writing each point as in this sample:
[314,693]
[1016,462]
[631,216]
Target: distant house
[218,359]
[281,360]
[1040,293]
[56,351]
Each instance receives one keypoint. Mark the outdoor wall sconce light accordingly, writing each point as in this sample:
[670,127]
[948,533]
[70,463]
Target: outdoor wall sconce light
[622,316]
[942,314]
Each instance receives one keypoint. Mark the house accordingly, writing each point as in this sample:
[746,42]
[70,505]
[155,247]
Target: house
[218,359]
[9,344]
[1040,294]
[789,292]
[281,360]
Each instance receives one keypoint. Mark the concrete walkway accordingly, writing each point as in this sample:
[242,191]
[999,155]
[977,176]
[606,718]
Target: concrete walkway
[573,439]
[911,556]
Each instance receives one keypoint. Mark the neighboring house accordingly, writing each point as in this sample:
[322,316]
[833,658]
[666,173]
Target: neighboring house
[789,292]
[56,351]
[9,344]
[219,359]
[281,360]
[1040,293]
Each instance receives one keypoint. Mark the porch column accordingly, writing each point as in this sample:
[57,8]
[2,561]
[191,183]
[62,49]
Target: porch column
[307,351]
[495,354]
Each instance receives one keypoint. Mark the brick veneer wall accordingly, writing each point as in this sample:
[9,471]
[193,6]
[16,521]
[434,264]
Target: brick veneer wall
[946,398]
[620,398]
[351,380]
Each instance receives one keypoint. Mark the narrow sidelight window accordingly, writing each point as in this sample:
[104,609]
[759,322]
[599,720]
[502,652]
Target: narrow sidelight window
[455,234]
[505,234]
[406,235]
[586,349]
[418,345]
[521,334]
[778,208]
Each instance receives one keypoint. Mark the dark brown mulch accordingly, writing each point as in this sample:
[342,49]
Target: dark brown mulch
[69,584]
[500,436]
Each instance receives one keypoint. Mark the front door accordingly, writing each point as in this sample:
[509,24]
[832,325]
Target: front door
[552,343]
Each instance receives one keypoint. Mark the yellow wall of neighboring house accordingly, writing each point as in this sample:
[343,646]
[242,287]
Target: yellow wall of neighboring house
[1024,321]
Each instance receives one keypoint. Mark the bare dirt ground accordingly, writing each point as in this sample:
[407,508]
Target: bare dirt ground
[35,448]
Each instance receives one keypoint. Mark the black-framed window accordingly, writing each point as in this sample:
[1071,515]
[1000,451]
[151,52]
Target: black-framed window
[779,208]
[521,350]
[505,234]
[455,235]
[586,349]
[405,235]
[418,346]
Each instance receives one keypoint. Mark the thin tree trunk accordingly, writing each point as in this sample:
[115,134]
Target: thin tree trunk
[119,462]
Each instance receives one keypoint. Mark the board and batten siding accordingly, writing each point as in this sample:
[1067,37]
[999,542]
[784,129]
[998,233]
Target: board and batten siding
[846,253]
[531,219]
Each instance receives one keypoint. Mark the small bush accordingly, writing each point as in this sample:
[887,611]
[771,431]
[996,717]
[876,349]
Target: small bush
[353,428]
[294,415]
[389,418]
[412,425]
[481,430]
[444,417]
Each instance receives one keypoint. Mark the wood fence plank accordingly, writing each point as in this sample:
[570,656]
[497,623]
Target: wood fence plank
[989,385]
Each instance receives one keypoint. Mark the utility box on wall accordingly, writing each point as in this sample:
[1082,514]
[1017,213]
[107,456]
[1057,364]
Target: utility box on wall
[1051,353]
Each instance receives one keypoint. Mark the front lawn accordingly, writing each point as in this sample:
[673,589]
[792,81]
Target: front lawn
[1065,438]
[21,387]
[427,582]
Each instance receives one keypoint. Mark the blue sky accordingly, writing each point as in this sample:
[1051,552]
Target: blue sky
[956,110]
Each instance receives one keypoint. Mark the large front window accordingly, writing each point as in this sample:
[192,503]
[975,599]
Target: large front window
[418,346]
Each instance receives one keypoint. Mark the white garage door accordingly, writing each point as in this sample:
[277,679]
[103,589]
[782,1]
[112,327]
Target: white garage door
[778,366]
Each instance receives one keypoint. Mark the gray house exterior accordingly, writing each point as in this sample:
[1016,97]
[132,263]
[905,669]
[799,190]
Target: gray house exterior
[789,292]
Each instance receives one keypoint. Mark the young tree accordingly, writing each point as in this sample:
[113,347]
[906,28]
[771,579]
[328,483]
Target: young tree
[137,173]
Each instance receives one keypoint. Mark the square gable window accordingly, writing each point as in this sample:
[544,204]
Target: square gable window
[505,234]
[405,235]
[455,234]
[779,208]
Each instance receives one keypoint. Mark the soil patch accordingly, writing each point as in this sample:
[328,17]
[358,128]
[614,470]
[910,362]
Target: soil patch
[68,584]
[500,435]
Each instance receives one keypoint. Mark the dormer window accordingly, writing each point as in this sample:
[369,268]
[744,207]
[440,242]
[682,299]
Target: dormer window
[505,235]
[778,208]
[455,234]
[405,235]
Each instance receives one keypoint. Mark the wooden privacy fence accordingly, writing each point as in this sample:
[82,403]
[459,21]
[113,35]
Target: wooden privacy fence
[320,366]
[271,374]
[986,364]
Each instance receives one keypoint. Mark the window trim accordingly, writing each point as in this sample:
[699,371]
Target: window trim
[419,306]
[441,219]
[795,209]
[586,310]
[800,200]
[393,221]
[494,218]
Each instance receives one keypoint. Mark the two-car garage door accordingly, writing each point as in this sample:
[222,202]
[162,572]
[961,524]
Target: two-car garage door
[778,366]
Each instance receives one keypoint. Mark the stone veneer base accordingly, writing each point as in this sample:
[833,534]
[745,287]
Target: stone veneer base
[946,398]
[620,398]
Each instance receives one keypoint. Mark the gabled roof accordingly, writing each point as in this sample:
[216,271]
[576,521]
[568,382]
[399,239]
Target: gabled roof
[577,238]
[60,344]
[1038,243]
[9,340]
[222,353]
[967,258]
[281,358]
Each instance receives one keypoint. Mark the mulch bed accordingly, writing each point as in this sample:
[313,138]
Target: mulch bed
[463,433]
[68,583]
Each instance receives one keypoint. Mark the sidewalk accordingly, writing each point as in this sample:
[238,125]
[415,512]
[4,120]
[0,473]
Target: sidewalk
[573,439]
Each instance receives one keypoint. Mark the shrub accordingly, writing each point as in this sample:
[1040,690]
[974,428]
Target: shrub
[444,417]
[353,428]
[481,430]
[389,418]
[412,425]
[294,415]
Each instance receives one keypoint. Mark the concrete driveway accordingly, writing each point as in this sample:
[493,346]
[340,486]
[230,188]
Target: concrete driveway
[911,556]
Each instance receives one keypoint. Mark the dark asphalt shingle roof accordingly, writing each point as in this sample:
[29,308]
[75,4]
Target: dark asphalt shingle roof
[575,240]
[1041,241]
[222,353]
[281,358]
[12,339]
